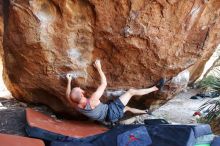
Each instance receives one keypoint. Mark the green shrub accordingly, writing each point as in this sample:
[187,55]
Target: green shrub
[210,82]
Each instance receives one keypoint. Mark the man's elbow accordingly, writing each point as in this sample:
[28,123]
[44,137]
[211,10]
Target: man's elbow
[104,84]
[67,95]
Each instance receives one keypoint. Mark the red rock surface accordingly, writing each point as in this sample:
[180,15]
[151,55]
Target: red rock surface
[12,140]
[138,42]
[76,129]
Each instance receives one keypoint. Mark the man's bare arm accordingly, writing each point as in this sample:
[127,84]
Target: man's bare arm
[68,91]
[100,90]
[68,88]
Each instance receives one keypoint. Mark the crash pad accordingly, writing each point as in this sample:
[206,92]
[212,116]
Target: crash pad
[76,129]
[134,137]
[117,136]
[160,135]
[201,129]
[12,140]
[205,139]
[216,141]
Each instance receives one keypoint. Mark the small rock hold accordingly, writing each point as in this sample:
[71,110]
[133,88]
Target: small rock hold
[127,31]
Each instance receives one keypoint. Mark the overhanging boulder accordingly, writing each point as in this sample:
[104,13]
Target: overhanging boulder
[138,42]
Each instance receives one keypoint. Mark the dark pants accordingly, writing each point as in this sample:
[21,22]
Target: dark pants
[115,111]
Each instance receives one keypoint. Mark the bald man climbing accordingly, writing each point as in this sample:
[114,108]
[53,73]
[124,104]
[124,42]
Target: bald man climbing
[93,108]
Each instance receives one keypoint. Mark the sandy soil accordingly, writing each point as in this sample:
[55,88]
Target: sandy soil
[181,108]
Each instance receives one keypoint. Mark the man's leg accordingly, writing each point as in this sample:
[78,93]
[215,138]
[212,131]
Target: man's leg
[138,92]
[134,110]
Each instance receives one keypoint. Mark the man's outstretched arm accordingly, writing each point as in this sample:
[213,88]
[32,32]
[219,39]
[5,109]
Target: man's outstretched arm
[100,90]
[68,88]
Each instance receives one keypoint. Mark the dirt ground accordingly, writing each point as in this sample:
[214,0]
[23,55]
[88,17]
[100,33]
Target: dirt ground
[178,110]
[12,115]
[181,108]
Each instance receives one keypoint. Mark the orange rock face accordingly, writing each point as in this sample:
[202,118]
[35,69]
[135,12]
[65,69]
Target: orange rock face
[138,42]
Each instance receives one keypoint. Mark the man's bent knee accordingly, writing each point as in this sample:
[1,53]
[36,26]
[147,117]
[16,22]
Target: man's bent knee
[126,109]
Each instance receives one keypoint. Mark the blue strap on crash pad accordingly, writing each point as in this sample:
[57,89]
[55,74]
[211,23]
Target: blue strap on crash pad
[51,136]
[58,143]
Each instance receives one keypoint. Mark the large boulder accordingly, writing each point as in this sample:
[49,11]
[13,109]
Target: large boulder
[138,42]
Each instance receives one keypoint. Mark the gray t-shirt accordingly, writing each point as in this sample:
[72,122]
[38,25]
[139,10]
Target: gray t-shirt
[99,113]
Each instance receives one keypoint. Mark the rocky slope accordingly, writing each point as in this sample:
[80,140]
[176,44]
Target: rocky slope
[138,42]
